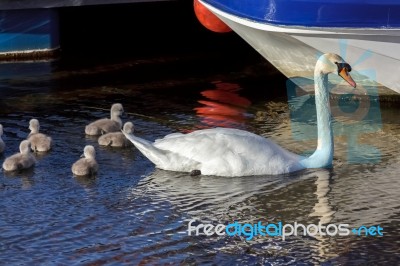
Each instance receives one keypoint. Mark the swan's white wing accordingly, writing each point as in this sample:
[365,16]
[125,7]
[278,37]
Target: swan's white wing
[230,152]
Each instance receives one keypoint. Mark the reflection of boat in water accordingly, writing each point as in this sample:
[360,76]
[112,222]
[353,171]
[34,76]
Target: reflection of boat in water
[291,34]
[224,107]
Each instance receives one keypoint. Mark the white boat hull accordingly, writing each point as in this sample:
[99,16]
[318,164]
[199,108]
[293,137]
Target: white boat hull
[374,54]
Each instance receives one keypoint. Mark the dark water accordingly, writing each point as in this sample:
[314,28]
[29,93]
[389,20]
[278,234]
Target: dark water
[133,214]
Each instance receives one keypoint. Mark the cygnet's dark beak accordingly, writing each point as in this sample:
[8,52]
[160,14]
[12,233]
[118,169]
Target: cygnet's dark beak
[123,114]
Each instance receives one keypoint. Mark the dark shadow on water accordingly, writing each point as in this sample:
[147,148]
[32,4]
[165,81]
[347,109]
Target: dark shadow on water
[117,31]
[19,179]
[26,173]
[86,181]
[41,155]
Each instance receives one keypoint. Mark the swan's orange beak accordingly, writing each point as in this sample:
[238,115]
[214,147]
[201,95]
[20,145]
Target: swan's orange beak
[346,76]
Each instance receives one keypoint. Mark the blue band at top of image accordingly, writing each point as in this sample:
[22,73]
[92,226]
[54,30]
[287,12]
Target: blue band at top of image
[316,13]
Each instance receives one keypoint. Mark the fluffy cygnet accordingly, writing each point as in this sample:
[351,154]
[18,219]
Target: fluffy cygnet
[86,166]
[117,139]
[2,144]
[22,160]
[106,125]
[39,141]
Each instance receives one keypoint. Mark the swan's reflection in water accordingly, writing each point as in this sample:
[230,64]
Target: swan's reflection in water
[306,197]
[300,197]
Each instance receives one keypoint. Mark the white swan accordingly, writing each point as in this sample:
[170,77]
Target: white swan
[86,166]
[117,139]
[22,160]
[105,125]
[2,144]
[39,141]
[233,152]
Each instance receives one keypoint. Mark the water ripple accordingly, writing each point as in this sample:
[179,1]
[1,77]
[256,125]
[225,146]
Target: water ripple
[131,213]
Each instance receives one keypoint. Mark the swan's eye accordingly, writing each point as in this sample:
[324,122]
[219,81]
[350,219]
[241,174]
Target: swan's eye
[343,65]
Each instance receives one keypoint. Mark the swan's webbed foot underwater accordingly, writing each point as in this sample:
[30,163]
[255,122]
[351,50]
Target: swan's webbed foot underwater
[195,173]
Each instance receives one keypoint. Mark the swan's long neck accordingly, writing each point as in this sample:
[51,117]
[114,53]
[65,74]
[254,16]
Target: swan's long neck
[323,156]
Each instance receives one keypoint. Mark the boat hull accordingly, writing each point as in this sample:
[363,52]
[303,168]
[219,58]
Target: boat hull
[315,13]
[373,53]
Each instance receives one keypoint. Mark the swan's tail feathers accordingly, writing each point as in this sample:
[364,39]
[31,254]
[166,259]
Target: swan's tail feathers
[163,159]
[152,153]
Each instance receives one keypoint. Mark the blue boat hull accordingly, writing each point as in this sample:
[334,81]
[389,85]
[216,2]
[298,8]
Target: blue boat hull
[28,31]
[311,13]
